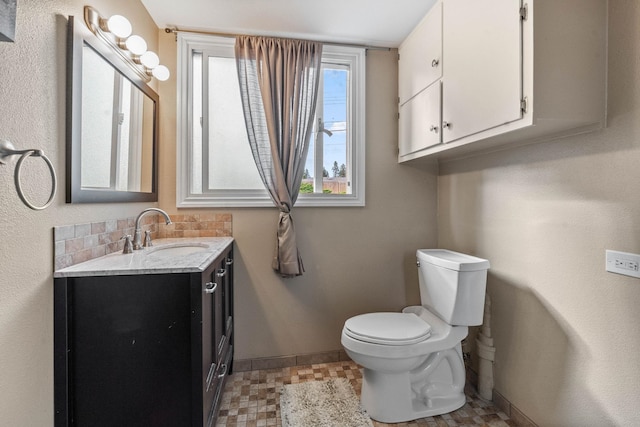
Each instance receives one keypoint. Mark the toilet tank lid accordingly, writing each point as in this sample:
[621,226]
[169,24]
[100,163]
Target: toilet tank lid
[452,260]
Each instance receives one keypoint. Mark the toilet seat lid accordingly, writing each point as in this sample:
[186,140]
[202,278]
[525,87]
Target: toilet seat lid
[388,328]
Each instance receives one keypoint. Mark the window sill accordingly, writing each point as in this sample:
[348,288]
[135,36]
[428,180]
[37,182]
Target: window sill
[319,201]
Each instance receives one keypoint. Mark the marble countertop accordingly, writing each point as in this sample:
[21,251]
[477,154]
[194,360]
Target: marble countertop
[179,255]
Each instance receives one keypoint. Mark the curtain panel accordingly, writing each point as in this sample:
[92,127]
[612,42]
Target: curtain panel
[279,81]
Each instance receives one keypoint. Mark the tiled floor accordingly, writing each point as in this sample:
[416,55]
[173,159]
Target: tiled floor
[253,399]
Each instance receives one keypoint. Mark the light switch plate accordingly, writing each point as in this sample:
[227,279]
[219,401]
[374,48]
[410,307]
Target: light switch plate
[623,263]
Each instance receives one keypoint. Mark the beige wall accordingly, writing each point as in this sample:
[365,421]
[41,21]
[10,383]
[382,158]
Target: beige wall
[567,346]
[356,259]
[566,334]
[32,115]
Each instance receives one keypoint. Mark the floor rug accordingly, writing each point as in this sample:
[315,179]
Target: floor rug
[331,403]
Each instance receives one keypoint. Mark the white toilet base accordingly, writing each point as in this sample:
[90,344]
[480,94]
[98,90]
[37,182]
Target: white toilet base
[435,387]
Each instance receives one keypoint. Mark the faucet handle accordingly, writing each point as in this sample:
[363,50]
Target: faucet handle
[147,239]
[128,246]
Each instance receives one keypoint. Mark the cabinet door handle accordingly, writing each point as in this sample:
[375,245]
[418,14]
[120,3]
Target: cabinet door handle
[434,128]
[446,125]
[221,272]
[229,261]
[210,287]
[224,371]
[435,63]
[212,369]
[221,343]
[227,362]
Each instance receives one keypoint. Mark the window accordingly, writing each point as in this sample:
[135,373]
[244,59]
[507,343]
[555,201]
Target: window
[215,165]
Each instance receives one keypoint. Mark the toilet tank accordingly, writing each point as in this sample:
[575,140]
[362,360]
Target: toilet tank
[452,285]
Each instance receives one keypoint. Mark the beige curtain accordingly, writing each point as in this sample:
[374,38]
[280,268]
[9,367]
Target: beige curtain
[279,89]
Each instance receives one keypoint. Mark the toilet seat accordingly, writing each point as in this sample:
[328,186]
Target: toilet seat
[388,328]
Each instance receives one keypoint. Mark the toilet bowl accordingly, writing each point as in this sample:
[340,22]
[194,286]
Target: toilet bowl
[412,361]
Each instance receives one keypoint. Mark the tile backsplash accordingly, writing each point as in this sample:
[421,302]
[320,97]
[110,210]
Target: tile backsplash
[77,243]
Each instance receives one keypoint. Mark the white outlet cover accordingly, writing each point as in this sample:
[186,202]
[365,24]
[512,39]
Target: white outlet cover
[622,263]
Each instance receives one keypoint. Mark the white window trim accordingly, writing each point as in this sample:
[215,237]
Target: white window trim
[355,57]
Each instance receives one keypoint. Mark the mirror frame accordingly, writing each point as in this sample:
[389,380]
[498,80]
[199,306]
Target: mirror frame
[78,35]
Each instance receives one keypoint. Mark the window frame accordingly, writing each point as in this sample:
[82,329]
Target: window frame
[353,57]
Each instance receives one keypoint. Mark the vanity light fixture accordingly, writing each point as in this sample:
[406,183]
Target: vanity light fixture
[161,73]
[150,59]
[136,45]
[116,33]
[118,25]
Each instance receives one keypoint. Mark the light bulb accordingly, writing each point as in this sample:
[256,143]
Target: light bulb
[136,45]
[149,59]
[161,73]
[119,26]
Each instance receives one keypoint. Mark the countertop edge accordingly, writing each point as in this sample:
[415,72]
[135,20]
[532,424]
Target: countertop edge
[118,264]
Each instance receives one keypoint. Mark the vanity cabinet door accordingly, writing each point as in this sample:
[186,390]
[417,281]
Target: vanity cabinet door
[227,297]
[122,351]
[216,330]
[211,294]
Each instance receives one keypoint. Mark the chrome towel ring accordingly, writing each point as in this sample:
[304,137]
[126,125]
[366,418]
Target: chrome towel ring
[7,149]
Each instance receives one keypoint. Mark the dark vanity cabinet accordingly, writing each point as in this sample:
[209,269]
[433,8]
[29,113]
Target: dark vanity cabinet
[143,350]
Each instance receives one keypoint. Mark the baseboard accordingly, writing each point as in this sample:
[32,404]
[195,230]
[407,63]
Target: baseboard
[241,365]
[512,411]
[502,403]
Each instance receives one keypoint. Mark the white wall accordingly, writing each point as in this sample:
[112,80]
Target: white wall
[32,115]
[566,335]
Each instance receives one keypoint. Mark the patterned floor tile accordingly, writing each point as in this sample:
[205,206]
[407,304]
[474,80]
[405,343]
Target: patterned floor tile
[252,399]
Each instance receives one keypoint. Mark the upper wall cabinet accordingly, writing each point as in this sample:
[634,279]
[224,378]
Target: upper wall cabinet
[419,88]
[509,72]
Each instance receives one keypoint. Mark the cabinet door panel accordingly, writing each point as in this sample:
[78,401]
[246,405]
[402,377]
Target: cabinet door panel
[419,125]
[482,82]
[211,301]
[227,296]
[129,349]
[420,61]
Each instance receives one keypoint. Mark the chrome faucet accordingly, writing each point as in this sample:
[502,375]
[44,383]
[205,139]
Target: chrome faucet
[137,237]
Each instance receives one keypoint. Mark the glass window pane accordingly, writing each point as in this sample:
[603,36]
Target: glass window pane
[231,164]
[335,117]
[306,185]
[335,120]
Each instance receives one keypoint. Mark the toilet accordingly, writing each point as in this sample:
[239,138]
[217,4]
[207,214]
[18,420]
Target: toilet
[412,361]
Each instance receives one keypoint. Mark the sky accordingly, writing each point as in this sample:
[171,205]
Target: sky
[335,118]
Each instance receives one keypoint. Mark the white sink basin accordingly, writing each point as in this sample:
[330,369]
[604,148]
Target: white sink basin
[176,250]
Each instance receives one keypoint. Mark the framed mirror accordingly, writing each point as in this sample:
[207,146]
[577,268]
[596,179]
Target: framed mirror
[112,125]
